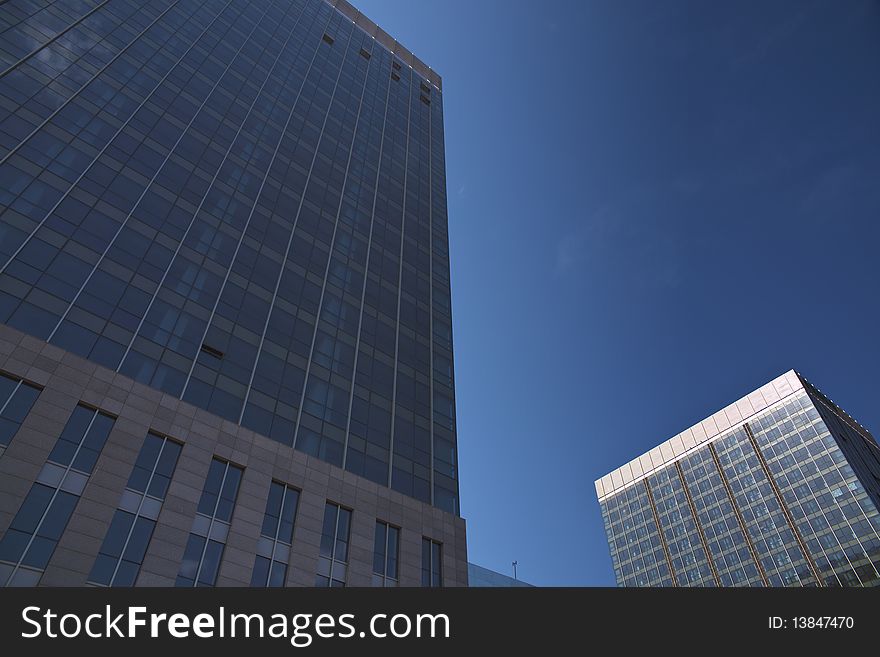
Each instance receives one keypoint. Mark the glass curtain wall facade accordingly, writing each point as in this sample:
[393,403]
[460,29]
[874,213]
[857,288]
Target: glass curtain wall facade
[784,496]
[243,205]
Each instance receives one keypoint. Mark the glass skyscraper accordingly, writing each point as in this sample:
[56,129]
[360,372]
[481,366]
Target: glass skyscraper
[241,207]
[781,488]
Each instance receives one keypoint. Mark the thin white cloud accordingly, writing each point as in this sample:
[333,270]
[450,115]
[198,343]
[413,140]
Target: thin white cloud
[627,242]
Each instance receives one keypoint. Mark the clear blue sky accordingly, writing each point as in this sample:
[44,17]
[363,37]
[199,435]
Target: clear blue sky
[655,207]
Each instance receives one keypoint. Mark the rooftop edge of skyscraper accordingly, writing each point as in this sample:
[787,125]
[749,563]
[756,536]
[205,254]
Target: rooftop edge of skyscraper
[383,38]
[713,427]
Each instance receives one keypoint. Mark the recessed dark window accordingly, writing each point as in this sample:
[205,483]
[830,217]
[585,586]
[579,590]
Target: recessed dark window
[396,65]
[335,537]
[395,76]
[385,551]
[211,351]
[365,53]
[202,556]
[16,399]
[424,100]
[432,570]
[328,39]
[270,566]
[425,88]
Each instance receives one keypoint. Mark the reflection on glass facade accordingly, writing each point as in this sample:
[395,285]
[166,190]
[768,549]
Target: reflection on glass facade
[242,204]
[722,528]
[687,553]
[637,548]
[787,497]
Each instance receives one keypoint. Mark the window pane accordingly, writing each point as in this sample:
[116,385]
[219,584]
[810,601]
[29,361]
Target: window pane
[212,485]
[270,526]
[76,426]
[391,568]
[341,553]
[276,496]
[7,385]
[103,569]
[117,534]
[126,574]
[230,485]
[57,516]
[140,539]
[8,429]
[13,545]
[211,564]
[158,486]
[208,503]
[191,557]
[291,500]
[63,452]
[168,458]
[32,509]
[344,522]
[278,575]
[328,532]
[227,496]
[138,479]
[273,508]
[288,514]
[85,459]
[224,509]
[149,452]
[379,548]
[261,572]
[285,532]
[39,553]
[97,435]
[426,561]
[16,408]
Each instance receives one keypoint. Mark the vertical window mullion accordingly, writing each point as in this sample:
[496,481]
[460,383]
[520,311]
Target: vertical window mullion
[202,531]
[53,498]
[333,547]
[277,532]
[211,525]
[21,390]
[53,491]
[137,513]
[78,448]
[387,553]
[289,497]
[34,535]
[11,395]
[429,547]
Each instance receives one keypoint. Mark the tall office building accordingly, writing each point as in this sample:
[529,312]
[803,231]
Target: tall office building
[781,488]
[226,340]
[479,577]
